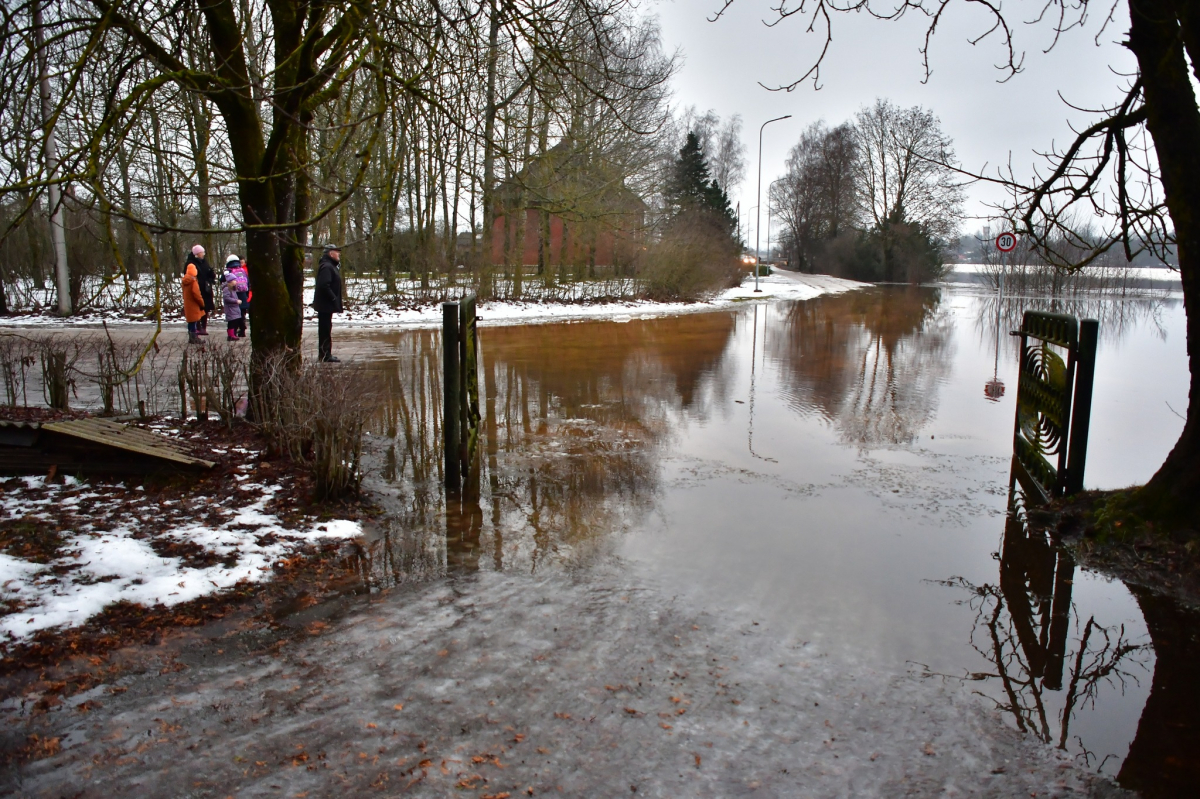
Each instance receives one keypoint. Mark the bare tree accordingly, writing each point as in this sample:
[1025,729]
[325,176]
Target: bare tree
[903,177]
[816,200]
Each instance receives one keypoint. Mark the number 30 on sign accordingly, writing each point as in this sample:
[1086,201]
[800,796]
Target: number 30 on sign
[1006,242]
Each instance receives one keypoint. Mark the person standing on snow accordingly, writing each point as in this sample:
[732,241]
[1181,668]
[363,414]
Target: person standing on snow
[205,277]
[327,300]
[233,281]
[193,303]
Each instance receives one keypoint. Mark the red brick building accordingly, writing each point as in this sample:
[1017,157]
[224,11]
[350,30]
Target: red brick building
[574,214]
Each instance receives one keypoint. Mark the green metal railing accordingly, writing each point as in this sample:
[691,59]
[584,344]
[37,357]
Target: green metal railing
[1054,402]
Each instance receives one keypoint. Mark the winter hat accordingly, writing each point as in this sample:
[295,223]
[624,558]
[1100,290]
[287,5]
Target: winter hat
[231,258]
[198,251]
[332,246]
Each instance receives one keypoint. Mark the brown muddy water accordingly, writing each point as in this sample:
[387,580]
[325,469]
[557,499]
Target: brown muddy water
[833,468]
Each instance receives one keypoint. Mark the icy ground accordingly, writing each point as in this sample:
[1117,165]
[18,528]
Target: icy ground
[114,556]
[780,285]
[502,685]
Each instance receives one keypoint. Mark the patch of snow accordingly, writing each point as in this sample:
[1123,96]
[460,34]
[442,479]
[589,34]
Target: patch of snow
[97,569]
[781,285]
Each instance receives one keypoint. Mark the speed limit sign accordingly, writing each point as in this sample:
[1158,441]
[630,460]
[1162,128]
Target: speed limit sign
[1006,242]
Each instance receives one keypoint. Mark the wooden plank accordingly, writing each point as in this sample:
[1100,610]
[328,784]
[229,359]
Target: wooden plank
[102,429]
[141,442]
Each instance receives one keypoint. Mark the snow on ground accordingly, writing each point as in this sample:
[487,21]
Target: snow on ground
[1155,274]
[94,568]
[378,313]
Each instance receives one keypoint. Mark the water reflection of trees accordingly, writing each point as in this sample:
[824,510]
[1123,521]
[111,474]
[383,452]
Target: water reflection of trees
[1164,758]
[1048,662]
[1118,316]
[868,361]
[574,417]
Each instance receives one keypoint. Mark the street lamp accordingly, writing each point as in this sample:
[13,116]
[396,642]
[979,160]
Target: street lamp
[758,212]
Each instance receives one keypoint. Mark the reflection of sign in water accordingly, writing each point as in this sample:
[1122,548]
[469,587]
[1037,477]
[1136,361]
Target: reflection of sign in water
[1053,402]
[1006,242]
[994,389]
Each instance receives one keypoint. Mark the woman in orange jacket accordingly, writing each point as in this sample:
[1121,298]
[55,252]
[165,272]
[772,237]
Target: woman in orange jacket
[193,303]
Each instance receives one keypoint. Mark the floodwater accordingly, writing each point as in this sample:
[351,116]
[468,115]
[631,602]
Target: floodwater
[832,468]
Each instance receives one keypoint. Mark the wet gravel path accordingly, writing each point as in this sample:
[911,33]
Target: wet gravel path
[500,685]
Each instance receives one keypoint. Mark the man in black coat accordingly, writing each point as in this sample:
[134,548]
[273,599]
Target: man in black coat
[205,277]
[327,300]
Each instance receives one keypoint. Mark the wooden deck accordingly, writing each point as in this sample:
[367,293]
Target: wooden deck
[92,446]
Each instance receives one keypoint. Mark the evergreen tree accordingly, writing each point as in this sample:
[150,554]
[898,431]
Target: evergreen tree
[692,190]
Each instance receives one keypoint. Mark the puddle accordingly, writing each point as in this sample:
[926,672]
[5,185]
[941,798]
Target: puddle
[837,468]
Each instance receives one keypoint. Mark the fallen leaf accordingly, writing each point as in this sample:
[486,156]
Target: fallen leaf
[665,726]
[631,711]
[397,707]
[929,750]
[697,759]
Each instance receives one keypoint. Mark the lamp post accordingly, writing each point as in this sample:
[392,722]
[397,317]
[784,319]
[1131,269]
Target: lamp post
[773,182]
[758,217]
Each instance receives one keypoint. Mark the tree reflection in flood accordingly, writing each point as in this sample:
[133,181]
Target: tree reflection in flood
[574,417]
[869,361]
[1048,662]
[996,315]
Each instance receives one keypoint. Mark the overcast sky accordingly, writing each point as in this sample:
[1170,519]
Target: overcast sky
[724,61]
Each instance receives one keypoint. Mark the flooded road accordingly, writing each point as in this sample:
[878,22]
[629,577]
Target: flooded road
[833,469]
[762,551]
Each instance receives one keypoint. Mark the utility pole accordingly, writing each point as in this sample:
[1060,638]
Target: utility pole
[58,228]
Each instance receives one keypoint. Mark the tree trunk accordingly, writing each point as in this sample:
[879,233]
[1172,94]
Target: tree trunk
[1173,120]
[489,150]
[1162,758]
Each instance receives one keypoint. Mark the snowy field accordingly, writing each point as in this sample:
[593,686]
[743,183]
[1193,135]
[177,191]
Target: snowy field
[374,311]
[972,273]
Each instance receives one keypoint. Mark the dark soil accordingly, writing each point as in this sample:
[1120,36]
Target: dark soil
[10,413]
[1162,559]
[59,662]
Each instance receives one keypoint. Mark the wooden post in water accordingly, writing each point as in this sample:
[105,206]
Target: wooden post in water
[1081,413]
[451,395]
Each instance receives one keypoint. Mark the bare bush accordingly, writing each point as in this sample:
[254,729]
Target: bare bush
[695,258]
[316,414]
[59,356]
[18,355]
